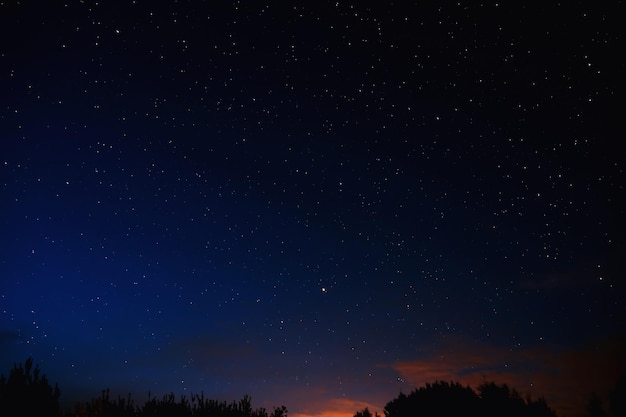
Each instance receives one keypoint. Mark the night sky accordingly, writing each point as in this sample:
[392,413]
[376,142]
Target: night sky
[319,204]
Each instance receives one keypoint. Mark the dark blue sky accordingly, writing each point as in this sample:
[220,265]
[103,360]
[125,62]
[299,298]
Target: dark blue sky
[320,205]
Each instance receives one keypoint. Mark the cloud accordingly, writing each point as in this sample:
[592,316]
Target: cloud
[564,377]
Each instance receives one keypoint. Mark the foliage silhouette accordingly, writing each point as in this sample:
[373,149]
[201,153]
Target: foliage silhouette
[27,392]
[443,399]
[617,398]
[104,406]
[500,400]
[617,402]
[594,407]
[365,413]
[170,406]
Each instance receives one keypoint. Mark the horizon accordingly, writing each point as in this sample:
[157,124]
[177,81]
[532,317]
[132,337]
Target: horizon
[566,389]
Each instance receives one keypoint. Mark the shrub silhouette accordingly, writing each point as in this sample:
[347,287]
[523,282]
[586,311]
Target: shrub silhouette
[104,406]
[443,399]
[594,407]
[498,400]
[617,398]
[365,413]
[437,399]
[170,406]
[617,402]
[27,393]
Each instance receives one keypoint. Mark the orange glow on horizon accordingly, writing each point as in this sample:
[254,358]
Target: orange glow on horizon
[336,407]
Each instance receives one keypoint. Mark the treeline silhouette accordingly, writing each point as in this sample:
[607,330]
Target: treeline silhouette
[27,392]
[453,399]
[169,405]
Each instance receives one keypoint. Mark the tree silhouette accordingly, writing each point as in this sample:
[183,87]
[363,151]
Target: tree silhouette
[594,407]
[27,393]
[539,407]
[364,413]
[617,398]
[443,399]
[437,399]
[104,406]
[498,400]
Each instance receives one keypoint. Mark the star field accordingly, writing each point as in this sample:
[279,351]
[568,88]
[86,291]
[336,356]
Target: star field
[312,203]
